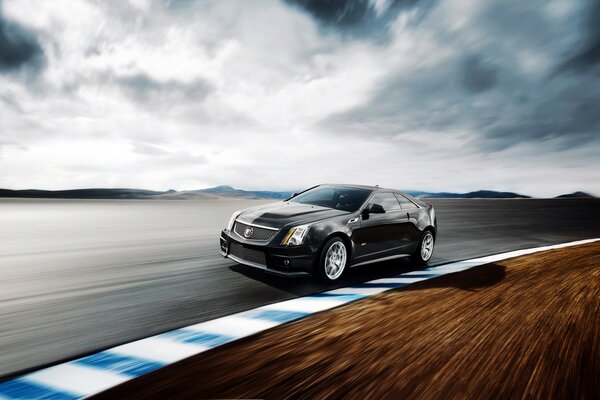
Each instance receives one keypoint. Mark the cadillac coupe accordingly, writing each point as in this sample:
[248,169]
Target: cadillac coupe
[327,229]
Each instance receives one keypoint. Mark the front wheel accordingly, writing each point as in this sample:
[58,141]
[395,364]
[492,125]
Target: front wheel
[333,260]
[424,249]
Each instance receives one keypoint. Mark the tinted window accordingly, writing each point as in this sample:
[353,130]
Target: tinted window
[406,203]
[387,201]
[338,197]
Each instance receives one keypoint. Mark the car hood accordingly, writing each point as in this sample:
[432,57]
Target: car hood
[277,215]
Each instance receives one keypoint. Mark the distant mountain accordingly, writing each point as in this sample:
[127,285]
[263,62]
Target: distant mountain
[228,191]
[479,194]
[579,195]
[97,193]
[108,193]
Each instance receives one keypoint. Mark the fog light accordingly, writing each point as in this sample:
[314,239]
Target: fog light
[286,262]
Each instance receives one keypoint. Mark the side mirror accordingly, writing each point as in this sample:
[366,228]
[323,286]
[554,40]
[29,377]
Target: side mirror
[377,209]
[374,209]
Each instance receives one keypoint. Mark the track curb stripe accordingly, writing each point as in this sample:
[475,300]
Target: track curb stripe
[131,366]
[95,373]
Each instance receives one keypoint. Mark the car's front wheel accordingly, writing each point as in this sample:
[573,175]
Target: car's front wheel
[425,248]
[333,260]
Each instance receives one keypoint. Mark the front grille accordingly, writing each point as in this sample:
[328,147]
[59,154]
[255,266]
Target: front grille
[255,232]
[255,256]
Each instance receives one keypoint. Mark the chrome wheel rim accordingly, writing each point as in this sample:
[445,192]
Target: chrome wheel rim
[335,260]
[427,246]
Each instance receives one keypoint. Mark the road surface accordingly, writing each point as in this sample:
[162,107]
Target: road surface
[81,275]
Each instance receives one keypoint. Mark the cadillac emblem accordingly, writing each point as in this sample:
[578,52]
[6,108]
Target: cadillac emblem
[248,232]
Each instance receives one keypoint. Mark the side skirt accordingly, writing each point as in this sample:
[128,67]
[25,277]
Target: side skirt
[380,259]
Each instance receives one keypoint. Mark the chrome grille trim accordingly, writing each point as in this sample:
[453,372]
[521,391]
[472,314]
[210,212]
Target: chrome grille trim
[256,225]
[259,233]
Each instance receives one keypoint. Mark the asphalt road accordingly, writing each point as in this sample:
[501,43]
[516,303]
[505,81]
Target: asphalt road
[78,276]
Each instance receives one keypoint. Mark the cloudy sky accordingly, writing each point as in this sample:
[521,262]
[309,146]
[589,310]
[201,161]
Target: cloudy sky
[447,95]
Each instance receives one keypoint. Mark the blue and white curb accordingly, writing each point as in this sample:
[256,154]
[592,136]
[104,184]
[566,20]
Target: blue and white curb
[95,373]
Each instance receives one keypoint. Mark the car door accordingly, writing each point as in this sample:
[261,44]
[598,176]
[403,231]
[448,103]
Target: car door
[413,233]
[381,234]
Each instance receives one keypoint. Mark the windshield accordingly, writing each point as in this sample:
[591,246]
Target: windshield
[338,197]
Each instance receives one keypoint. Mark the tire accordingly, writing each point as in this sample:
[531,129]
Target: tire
[424,250]
[333,260]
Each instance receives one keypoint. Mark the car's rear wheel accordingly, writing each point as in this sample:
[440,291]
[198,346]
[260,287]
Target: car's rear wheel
[425,248]
[334,258]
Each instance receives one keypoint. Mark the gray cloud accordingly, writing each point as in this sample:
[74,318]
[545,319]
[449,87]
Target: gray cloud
[359,17]
[147,90]
[483,88]
[588,55]
[181,92]
[345,14]
[19,47]
[164,159]
[148,149]
[5,144]
[11,102]
[478,76]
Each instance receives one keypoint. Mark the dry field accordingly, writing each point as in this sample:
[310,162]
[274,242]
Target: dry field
[527,327]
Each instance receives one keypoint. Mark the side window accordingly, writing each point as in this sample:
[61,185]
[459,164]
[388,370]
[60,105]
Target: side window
[406,203]
[387,201]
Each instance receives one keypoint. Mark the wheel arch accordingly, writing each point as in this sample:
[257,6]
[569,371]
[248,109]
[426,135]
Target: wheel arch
[431,229]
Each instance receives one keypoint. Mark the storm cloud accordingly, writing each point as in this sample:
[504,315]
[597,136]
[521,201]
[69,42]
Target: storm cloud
[19,47]
[477,75]
[365,18]
[503,88]
[452,95]
[588,54]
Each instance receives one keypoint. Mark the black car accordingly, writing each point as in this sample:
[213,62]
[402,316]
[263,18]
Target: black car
[327,228]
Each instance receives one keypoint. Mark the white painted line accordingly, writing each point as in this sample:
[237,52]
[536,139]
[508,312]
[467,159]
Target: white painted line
[76,379]
[400,280]
[459,266]
[234,326]
[305,305]
[159,349]
[366,291]
[430,272]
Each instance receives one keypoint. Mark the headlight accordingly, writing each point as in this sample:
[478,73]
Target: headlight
[295,236]
[232,220]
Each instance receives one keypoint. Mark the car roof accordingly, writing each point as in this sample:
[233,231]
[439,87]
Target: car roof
[379,189]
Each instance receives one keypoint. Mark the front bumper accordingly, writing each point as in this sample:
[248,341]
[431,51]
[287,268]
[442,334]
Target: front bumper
[281,260]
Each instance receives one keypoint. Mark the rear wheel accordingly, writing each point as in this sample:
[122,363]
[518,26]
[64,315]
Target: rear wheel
[332,262]
[425,248]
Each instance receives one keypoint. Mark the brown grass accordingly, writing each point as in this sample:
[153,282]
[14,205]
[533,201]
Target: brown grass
[527,327]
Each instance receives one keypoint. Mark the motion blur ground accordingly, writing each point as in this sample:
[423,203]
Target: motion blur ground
[527,327]
[79,276]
